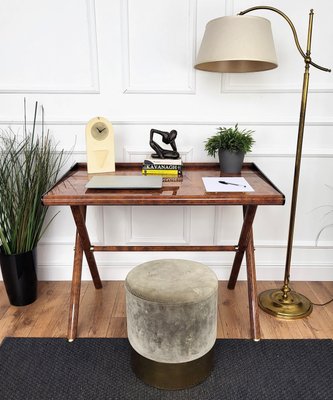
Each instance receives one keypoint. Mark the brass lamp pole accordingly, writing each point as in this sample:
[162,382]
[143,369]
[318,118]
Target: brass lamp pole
[285,303]
[245,44]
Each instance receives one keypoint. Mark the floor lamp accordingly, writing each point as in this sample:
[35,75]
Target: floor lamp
[245,44]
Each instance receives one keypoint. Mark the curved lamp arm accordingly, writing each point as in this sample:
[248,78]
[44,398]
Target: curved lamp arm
[306,55]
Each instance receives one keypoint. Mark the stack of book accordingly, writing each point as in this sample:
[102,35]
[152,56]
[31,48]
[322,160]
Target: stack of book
[166,166]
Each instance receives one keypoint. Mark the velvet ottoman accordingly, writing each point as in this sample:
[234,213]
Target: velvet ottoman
[171,309]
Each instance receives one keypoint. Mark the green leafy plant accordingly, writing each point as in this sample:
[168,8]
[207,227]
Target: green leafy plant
[231,139]
[29,166]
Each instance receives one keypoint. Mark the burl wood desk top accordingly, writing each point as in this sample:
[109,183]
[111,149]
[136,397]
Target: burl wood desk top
[186,190]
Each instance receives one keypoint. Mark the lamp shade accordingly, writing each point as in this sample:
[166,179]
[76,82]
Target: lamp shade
[237,44]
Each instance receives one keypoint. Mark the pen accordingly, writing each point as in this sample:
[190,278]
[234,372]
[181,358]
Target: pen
[230,183]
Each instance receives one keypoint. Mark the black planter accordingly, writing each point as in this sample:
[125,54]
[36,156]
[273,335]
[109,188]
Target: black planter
[19,276]
[231,162]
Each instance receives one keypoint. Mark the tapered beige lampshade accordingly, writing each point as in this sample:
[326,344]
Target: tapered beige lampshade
[237,44]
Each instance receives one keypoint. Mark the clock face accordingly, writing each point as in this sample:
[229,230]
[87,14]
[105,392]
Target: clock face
[99,130]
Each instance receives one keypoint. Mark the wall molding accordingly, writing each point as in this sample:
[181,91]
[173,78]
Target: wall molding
[94,86]
[307,153]
[131,239]
[284,121]
[187,156]
[227,86]
[129,86]
[186,153]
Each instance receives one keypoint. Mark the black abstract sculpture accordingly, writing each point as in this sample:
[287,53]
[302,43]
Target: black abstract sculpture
[167,138]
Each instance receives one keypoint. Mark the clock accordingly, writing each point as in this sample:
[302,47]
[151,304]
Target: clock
[100,146]
[100,130]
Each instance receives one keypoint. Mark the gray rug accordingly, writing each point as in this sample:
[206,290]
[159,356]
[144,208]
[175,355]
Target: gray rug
[53,369]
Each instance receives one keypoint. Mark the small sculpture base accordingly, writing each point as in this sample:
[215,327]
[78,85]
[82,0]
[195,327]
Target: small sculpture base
[166,154]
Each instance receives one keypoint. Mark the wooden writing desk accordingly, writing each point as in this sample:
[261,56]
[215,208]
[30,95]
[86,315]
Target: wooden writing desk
[188,191]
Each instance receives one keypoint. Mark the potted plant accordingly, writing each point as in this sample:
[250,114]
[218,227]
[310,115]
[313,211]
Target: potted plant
[231,144]
[29,165]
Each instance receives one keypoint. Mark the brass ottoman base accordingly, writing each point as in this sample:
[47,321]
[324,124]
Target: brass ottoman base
[172,376]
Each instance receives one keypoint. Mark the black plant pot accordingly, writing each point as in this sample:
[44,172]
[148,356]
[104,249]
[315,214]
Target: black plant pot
[231,162]
[19,276]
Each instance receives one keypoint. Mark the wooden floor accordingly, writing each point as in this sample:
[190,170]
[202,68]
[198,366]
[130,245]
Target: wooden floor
[102,312]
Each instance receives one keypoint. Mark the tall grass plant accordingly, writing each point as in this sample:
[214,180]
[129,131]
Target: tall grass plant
[29,166]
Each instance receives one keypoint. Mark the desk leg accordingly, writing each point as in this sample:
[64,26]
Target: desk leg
[252,289]
[82,243]
[245,235]
[79,218]
[246,244]
[75,290]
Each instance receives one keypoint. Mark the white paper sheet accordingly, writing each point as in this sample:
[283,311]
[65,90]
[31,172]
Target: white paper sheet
[224,184]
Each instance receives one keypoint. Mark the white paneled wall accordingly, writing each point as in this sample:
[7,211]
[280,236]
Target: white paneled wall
[131,61]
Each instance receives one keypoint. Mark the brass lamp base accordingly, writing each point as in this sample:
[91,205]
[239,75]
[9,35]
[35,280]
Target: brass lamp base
[294,306]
